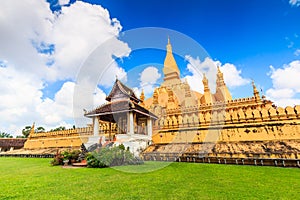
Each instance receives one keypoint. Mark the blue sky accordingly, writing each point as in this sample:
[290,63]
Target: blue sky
[252,35]
[49,51]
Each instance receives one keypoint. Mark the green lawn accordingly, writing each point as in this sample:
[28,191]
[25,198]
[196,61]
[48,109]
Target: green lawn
[31,178]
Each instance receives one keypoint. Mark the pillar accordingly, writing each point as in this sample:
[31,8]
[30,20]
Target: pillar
[149,127]
[96,126]
[130,127]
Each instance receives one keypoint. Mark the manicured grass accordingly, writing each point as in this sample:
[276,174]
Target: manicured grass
[31,178]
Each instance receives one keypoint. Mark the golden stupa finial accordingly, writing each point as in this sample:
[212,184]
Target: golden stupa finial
[142,98]
[255,91]
[32,129]
[169,46]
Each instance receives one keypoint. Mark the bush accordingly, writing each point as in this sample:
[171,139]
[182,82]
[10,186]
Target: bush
[66,155]
[113,156]
[58,159]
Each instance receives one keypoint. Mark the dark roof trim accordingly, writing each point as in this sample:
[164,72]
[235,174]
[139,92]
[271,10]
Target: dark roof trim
[118,85]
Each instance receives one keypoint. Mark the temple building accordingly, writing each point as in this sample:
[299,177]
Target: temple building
[177,120]
[129,123]
[214,124]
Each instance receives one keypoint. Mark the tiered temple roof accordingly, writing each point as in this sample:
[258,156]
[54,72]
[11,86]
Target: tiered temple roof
[120,100]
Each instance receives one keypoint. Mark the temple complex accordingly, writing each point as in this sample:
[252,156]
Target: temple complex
[214,124]
[178,120]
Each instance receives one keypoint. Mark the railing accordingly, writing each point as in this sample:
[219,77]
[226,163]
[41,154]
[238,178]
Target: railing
[198,158]
[28,155]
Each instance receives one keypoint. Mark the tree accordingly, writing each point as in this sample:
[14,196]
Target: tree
[61,128]
[26,131]
[40,129]
[5,135]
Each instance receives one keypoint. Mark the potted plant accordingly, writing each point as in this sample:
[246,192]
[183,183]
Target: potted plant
[66,158]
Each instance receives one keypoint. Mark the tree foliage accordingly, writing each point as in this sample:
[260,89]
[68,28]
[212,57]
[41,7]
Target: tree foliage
[5,135]
[112,156]
[26,131]
[40,129]
[61,128]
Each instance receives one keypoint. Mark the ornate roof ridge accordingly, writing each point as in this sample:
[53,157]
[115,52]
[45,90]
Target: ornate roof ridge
[124,89]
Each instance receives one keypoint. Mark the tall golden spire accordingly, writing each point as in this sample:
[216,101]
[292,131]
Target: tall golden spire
[171,70]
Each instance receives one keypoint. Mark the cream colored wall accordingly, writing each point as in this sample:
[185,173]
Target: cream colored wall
[72,138]
[230,125]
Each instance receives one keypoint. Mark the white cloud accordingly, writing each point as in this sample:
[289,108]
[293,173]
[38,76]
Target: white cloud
[232,76]
[149,75]
[287,76]
[63,2]
[21,24]
[297,52]
[197,68]
[285,84]
[148,80]
[295,2]
[79,30]
[18,95]
[26,29]
[279,93]
[63,105]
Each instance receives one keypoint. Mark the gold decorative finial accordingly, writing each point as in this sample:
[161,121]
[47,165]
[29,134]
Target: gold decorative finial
[255,91]
[205,83]
[155,96]
[168,39]
[142,98]
[220,78]
[32,129]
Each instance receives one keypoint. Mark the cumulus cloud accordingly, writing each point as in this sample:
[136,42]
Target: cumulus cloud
[297,52]
[23,27]
[18,95]
[40,46]
[79,30]
[148,81]
[63,2]
[295,2]
[63,105]
[286,83]
[232,76]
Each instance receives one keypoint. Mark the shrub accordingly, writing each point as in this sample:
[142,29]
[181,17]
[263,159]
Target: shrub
[113,156]
[74,155]
[66,155]
[58,159]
